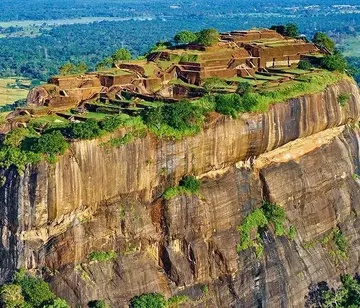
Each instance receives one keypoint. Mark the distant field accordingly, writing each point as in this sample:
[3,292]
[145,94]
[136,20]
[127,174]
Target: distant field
[69,21]
[8,96]
[351,46]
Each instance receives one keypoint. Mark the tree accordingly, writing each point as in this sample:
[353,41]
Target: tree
[181,115]
[304,65]
[229,104]
[98,304]
[106,63]
[291,30]
[67,69]
[185,37]
[334,62]
[15,137]
[243,88]
[154,117]
[36,291]
[321,39]
[81,68]
[51,143]
[208,37]
[210,84]
[150,300]
[121,55]
[57,303]
[11,297]
[84,130]
[279,29]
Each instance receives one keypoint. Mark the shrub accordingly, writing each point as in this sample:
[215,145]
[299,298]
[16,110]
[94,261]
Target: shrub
[304,65]
[149,300]
[177,300]
[229,104]
[84,130]
[210,84]
[343,99]
[185,37]
[57,303]
[102,256]
[205,289]
[15,137]
[11,296]
[121,55]
[340,240]
[191,184]
[276,215]
[335,62]
[208,37]
[50,143]
[243,88]
[98,304]
[188,185]
[181,115]
[110,124]
[292,232]
[154,117]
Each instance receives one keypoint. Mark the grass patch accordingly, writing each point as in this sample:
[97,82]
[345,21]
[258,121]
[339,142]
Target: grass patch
[188,185]
[343,99]
[102,256]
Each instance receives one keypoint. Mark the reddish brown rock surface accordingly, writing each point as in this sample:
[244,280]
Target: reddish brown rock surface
[302,154]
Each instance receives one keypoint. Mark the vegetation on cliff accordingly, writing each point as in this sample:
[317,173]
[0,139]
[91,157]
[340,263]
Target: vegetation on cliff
[29,291]
[270,214]
[157,300]
[188,185]
[347,295]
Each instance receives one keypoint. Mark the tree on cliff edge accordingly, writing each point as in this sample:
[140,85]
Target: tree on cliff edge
[208,37]
[121,54]
[321,39]
[185,37]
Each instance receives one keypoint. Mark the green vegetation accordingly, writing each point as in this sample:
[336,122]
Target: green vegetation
[205,289]
[185,37]
[29,291]
[304,65]
[213,83]
[347,295]
[121,54]
[208,37]
[177,300]
[157,300]
[290,29]
[98,304]
[229,104]
[50,143]
[150,300]
[334,62]
[188,185]
[243,88]
[84,130]
[250,229]
[102,256]
[335,243]
[174,120]
[343,99]
[321,39]
[292,232]
[71,69]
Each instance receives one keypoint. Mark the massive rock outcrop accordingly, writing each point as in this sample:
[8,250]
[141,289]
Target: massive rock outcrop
[302,154]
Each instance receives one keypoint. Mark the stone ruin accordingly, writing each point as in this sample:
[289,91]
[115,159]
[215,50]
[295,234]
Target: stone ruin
[177,72]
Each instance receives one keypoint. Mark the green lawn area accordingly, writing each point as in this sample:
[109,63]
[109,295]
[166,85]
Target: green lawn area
[250,80]
[8,96]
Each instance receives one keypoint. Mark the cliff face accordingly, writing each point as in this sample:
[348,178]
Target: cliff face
[302,154]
